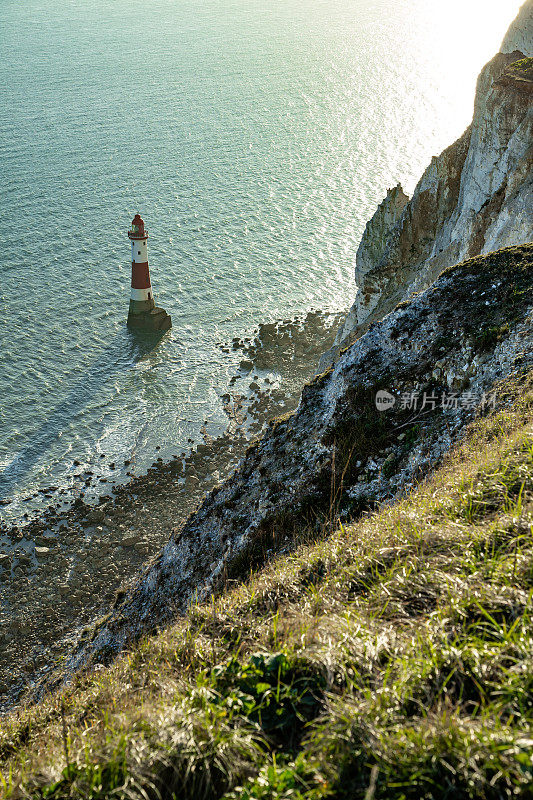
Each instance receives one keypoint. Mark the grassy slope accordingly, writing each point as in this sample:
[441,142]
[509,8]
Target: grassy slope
[393,658]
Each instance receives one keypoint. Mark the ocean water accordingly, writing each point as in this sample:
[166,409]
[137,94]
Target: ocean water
[255,137]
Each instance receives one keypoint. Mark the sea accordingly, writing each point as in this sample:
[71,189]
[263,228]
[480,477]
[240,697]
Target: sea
[255,138]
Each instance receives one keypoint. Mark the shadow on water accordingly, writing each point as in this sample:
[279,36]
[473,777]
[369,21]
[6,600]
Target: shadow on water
[125,350]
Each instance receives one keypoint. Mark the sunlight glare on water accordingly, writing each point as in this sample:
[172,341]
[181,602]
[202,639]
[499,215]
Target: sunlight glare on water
[255,138]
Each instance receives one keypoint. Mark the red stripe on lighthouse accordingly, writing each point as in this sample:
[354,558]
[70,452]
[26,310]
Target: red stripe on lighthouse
[140,275]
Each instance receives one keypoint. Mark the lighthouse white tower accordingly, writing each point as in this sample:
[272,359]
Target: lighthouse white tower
[143,313]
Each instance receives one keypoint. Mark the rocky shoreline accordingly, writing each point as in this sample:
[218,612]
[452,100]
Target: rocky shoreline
[63,569]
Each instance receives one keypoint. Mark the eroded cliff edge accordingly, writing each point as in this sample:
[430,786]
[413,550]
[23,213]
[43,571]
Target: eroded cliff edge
[474,198]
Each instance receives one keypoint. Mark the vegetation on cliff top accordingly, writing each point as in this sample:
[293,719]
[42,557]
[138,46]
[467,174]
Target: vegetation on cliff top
[522,69]
[519,74]
[392,659]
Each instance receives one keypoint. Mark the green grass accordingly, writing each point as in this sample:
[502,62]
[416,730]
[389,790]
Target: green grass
[391,659]
[522,69]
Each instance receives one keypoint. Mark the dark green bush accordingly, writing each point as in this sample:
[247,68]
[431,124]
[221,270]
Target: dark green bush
[279,693]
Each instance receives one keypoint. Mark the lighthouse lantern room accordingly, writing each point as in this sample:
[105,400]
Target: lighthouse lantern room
[143,313]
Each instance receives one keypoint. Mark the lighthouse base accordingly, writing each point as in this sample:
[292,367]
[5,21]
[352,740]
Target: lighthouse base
[154,320]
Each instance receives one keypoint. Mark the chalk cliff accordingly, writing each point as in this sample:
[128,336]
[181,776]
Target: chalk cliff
[520,34]
[474,198]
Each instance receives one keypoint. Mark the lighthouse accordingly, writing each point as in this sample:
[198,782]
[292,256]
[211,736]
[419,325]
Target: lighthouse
[143,315]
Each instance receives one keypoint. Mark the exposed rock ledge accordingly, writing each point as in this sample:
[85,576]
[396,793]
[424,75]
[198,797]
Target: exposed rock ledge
[471,329]
[474,198]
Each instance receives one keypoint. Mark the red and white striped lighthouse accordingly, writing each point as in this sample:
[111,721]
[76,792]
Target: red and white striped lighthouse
[143,312]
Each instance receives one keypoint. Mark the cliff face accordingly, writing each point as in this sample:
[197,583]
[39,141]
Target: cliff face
[474,198]
[342,451]
[520,34]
